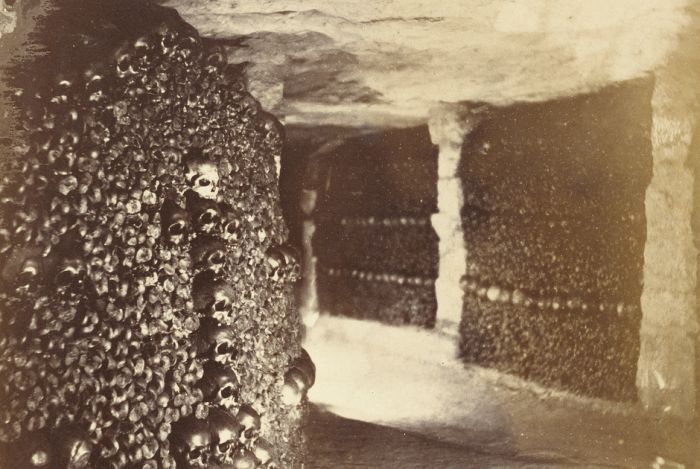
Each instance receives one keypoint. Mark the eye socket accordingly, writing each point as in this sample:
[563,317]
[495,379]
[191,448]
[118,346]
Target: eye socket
[53,155]
[203,182]
[177,228]
[226,391]
[30,269]
[224,447]
[95,84]
[221,305]
[208,217]
[195,453]
[67,276]
[216,258]
[42,182]
[123,63]
[232,227]
[222,349]
[28,275]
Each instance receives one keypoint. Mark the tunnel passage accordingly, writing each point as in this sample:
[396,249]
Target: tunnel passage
[377,252]
[555,229]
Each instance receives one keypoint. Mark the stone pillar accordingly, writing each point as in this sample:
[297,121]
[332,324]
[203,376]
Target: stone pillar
[666,374]
[308,298]
[449,124]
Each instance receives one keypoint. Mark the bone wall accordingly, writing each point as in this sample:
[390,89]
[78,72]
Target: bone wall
[554,225]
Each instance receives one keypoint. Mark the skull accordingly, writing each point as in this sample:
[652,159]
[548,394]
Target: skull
[30,271]
[219,384]
[232,227]
[209,253]
[206,215]
[225,431]
[126,64]
[299,378]
[216,341]
[291,391]
[22,268]
[304,363]
[212,297]
[35,451]
[283,263]
[250,420]
[191,440]
[176,223]
[263,451]
[275,262]
[243,459]
[70,275]
[74,448]
[61,160]
[202,176]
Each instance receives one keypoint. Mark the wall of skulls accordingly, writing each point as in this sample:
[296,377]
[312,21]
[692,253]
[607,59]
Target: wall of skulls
[146,310]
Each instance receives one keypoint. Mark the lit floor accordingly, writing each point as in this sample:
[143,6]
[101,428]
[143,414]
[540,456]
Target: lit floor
[378,381]
[336,442]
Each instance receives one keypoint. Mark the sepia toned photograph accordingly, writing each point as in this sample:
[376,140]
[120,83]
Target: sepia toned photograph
[302,234]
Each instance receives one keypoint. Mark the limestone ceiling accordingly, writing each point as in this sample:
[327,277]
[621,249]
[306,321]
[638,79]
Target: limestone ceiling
[386,63]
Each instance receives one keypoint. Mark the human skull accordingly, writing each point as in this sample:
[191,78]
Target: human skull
[291,392]
[275,262]
[283,262]
[205,214]
[219,384]
[28,275]
[250,420]
[264,451]
[74,448]
[214,298]
[209,253]
[71,273]
[299,378]
[191,439]
[176,223]
[304,363]
[202,175]
[61,160]
[126,64]
[243,459]
[216,341]
[232,227]
[225,432]
[34,450]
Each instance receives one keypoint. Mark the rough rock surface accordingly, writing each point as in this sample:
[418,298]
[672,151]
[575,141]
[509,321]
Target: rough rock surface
[387,63]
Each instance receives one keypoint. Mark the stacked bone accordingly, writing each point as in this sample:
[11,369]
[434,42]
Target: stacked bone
[376,248]
[147,316]
[554,226]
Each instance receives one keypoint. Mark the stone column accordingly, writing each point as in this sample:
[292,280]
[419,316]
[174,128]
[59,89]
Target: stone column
[449,124]
[308,298]
[666,375]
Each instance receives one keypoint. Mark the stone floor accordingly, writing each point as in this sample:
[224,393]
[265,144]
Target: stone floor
[337,442]
[396,397]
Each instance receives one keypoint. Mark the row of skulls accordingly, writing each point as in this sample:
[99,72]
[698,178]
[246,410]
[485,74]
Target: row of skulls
[232,441]
[140,239]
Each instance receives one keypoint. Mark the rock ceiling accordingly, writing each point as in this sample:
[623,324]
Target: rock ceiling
[379,64]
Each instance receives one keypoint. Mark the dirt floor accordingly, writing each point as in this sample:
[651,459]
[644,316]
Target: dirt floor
[337,442]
